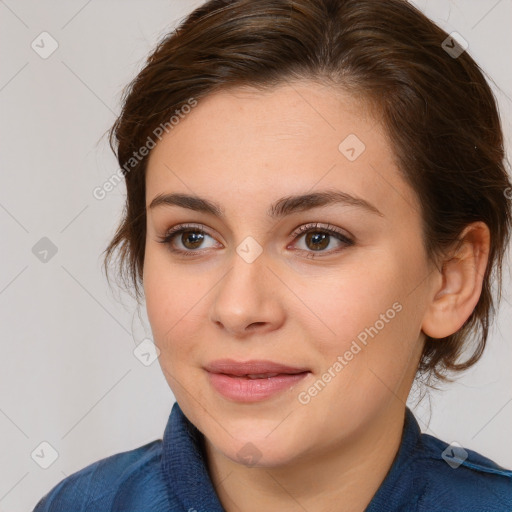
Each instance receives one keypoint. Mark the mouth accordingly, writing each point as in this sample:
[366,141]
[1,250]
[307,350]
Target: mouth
[252,381]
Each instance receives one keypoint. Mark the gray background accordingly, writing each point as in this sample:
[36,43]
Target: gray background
[68,373]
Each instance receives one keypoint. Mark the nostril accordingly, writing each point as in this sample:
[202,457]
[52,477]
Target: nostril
[255,324]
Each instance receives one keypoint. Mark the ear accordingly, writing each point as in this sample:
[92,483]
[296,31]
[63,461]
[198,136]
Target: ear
[462,275]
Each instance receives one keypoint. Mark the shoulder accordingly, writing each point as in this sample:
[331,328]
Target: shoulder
[128,479]
[458,478]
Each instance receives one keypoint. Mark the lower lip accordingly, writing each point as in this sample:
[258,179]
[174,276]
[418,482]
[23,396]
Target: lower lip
[242,389]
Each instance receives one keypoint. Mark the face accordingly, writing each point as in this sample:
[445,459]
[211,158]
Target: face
[241,289]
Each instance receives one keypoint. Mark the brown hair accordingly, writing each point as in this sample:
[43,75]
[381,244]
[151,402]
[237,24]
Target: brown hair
[438,109]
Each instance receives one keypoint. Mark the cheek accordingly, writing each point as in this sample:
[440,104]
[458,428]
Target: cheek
[173,307]
[372,318]
[365,365]
[173,301]
[354,297]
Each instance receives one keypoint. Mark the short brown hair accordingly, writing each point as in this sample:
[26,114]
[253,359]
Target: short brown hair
[439,112]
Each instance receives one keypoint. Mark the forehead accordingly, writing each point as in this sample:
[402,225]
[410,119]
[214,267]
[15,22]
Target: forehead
[245,143]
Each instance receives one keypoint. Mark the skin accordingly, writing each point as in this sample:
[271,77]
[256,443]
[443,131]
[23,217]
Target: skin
[244,149]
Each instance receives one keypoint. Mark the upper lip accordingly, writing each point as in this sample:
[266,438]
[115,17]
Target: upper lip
[252,367]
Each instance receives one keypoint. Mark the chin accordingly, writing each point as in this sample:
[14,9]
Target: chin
[260,454]
[256,445]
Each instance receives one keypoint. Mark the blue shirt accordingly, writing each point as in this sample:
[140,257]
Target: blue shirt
[170,475]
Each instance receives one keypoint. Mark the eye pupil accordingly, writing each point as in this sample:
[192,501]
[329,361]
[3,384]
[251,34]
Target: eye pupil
[316,238]
[195,236]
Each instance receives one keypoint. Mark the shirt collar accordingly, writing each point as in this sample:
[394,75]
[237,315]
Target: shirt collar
[184,465]
[396,493]
[188,481]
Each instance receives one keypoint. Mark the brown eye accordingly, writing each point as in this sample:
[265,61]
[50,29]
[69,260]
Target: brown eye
[318,238]
[186,239]
[192,239]
[317,241]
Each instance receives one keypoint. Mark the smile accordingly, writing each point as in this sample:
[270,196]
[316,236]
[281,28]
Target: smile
[252,381]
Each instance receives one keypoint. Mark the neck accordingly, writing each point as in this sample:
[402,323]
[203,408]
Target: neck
[343,476]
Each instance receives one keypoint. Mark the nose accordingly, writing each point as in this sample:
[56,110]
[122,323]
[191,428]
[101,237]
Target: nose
[246,299]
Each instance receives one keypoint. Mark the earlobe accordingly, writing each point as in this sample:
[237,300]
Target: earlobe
[462,276]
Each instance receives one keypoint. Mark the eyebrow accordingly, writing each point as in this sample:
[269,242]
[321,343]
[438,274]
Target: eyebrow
[282,207]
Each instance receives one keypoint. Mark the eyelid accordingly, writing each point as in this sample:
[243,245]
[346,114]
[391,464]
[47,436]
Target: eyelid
[168,235]
[301,229]
[329,228]
[339,234]
[186,225]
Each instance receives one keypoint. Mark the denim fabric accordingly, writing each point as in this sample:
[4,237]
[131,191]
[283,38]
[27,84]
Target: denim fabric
[170,475]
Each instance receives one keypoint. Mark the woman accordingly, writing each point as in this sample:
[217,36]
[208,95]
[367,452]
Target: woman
[316,207]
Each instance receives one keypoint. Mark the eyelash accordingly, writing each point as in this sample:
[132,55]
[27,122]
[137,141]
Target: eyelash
[314,227]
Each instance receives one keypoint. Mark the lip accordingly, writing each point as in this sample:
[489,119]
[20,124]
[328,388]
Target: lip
[254,366]
[230,378]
